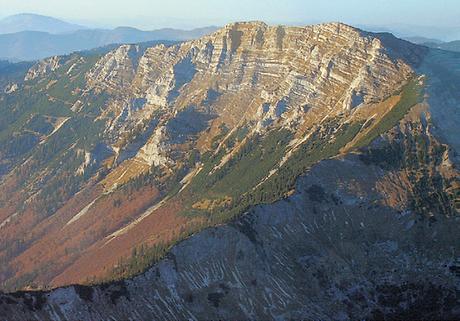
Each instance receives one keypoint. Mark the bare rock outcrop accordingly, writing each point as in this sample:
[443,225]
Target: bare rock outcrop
[43,67]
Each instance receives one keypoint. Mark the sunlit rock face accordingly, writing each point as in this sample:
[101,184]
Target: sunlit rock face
[324,66]
[43,67]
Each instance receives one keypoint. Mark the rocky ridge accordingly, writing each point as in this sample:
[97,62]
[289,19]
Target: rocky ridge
[170,135]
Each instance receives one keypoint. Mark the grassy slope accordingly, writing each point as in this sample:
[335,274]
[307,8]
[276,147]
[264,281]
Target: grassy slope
[411,94]
[23,129]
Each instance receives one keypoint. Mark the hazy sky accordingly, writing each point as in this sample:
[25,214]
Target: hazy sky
[189,13]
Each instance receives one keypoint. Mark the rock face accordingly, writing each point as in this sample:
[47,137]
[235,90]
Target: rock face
[43,67]
[11,88]
[319,65]
[115,70]
[114,158]
[326,67]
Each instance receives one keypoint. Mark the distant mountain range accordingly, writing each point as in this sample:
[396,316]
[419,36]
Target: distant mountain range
[451,46]
[436,43]
[421,40]
[33,45]
[34,22]
[35,37]
[29,37]
[442,33]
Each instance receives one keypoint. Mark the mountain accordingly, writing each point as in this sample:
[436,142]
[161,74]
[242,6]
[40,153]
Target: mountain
[259,172]
[437,32]
[437,44]
[423,40]
[33,45]
[34,22]
[450,46]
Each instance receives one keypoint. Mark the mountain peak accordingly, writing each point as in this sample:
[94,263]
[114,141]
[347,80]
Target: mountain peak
[256,29]
[338,27]
[35,22]
[247,24]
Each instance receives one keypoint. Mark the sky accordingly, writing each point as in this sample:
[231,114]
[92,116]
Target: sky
[149,14]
